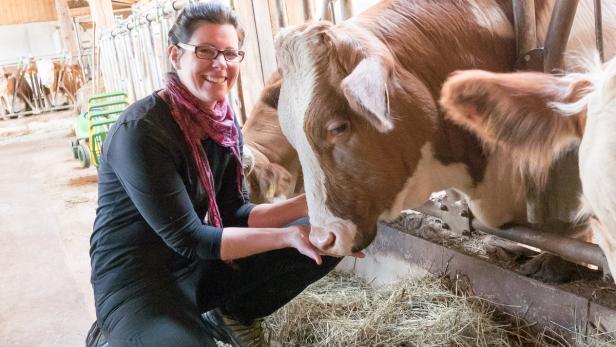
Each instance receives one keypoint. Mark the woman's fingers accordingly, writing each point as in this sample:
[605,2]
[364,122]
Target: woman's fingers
[303,245]
[313,254]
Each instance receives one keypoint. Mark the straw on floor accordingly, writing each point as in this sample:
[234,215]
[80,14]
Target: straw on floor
[343,310]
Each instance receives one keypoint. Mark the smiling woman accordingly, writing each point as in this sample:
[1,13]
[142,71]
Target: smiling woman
[179,255]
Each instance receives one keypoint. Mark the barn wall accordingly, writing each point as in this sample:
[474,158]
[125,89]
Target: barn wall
[32,39]
[27,11]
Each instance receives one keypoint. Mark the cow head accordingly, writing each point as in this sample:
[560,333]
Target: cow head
[519,112]
[358,124]
[267,181]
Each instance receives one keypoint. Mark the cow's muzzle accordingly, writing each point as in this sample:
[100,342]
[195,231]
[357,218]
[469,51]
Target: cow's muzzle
[335,238]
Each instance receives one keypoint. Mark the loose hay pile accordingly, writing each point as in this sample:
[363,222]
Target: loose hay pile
[342,310]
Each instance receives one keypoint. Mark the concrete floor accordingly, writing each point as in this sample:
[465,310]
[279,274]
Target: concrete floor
[47,206]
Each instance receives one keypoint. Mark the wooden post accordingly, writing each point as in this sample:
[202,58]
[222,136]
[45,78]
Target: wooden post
[102,14]
[67,29]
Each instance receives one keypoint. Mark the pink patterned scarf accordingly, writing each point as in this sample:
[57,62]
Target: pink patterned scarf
[198,124]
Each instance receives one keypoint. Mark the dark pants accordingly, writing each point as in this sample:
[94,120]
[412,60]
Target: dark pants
[171,316]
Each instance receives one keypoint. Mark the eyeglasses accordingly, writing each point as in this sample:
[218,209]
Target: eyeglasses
[211,52]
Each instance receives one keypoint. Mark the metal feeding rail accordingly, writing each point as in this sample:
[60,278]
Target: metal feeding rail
[458,219]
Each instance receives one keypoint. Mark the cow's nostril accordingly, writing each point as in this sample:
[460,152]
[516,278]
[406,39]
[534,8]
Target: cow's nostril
[324,241]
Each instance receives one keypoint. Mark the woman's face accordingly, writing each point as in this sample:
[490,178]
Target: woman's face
[208,80]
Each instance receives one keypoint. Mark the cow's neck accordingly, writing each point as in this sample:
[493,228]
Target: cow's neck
[452,157]
[475,34]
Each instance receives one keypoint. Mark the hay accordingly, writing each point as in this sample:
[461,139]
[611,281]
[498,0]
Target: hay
[341,310]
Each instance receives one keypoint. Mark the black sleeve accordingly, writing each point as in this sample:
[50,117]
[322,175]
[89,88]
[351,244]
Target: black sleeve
[234,206]
[148,173]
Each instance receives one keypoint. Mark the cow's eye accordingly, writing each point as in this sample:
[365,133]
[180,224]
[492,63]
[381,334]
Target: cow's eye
[337,129]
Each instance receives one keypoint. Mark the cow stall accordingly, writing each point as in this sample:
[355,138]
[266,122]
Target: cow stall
[133,58]
[37,85]
[40,70]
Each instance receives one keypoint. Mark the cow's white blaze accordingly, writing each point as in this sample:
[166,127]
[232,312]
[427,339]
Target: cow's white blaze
[296,92]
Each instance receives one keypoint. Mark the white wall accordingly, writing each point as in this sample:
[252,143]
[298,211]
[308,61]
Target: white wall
[32,39]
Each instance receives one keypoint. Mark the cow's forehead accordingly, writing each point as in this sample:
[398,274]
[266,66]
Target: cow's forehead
[296,46]
[297,62]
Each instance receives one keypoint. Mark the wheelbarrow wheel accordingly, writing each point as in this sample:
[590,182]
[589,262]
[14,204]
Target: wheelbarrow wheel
[84,155]
[74,148]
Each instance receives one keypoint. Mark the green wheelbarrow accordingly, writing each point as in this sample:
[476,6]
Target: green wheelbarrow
[92,126]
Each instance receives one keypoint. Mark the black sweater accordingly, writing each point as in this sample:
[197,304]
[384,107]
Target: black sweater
[151,206]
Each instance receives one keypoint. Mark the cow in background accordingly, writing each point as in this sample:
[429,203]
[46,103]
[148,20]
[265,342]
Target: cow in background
[275,172]
[60,81]
[359,103]
[67,79]
[536,117]
[15,93]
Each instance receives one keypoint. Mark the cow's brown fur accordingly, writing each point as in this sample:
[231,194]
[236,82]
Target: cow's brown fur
[503,109]
[67,79]
[24,91]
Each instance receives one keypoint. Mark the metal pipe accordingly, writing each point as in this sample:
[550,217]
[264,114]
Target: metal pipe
[525,26]
[136,69]
[157,62]
[308,10]
[599,30]
[346,9]
[282,14]
[145,57]
[79,44]
[558,34]
[327,12]
[179,4]
[574,250]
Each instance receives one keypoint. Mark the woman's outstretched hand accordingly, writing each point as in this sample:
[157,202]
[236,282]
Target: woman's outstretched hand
[300,240]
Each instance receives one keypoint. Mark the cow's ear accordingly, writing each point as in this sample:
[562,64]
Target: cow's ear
[513,109]
[365,89]
[517,112]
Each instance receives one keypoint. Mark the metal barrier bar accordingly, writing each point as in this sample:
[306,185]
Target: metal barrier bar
[574,250]
[525,25]
[346,9]
[558,34]
[599,30]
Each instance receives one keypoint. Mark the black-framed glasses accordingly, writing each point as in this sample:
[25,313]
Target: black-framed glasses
[211,52]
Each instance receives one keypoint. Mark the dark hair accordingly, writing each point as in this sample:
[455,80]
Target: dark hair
[197,13]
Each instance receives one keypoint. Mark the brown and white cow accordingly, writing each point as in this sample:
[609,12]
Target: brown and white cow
[536,117]
[359,103]
[63,82]
[275,172]
[15,93]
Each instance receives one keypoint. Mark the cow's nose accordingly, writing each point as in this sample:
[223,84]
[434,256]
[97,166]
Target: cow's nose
[335,238]
[322,239]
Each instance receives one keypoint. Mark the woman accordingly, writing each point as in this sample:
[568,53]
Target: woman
[171,161]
